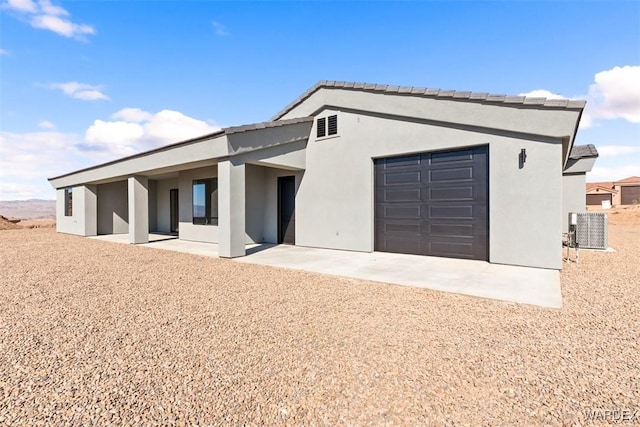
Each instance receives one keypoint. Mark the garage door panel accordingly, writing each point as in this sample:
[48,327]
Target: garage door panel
[404,212]
[444,214]
[401,162]
[451,193]
[405,195]
[629,194]
[413,228]
[451,250]
[454,212]
[408,245]
[597,199]
[451,230]
[401,178]
[458,174]
[451,156]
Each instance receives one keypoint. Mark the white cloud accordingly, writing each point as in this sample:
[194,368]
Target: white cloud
[615,94]
[61,26]
[220,28]
[135,115]
[28,159]
[120,138]
[83,91]
[35,154]
[11,191]
[136,130]
[46,124]
[50,9]
[173,126]
[28,6]
[47,16]
[542,93]
[601,173]
[4,52]
[616,150]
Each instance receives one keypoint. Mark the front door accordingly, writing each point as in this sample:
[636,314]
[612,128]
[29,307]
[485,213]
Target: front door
[173,208]
[286,209]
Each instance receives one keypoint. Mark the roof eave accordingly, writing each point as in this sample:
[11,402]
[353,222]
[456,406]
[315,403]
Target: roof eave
[464,96]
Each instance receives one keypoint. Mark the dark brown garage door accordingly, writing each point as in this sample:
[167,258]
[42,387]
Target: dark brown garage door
[433,204]
[629,194]
[597,199]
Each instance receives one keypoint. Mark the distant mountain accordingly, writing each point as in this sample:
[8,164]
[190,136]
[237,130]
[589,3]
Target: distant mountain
[28,209]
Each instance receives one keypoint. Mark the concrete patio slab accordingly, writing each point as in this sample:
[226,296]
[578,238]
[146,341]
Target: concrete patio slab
[475,278]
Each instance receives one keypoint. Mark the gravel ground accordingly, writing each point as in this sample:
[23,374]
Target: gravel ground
[93,332]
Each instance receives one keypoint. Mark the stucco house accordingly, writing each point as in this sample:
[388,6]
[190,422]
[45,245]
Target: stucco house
[356,167]
[623,192]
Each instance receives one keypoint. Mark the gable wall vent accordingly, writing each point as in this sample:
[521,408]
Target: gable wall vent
[333,125]
[322,128]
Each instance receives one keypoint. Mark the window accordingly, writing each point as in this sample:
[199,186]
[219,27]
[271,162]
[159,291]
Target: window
[322,127]
[205,201]
[68,202]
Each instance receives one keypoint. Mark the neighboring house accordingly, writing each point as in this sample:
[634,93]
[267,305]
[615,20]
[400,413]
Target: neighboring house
[581,161]
[597,193]
[623,192]
[357,167]
[629,191]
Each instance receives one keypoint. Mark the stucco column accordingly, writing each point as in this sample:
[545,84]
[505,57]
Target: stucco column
[231,209]
[90,214]
[138,209]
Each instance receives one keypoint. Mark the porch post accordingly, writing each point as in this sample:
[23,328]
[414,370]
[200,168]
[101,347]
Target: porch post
[231,209]
[138,209]
[90,214]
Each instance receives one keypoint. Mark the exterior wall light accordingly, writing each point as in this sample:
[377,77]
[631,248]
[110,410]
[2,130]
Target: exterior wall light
[522,157]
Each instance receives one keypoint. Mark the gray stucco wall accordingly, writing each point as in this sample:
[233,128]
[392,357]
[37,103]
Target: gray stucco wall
[335,203]
[84,209]
[188,230]
[574,197]
[254,203]
[113,208]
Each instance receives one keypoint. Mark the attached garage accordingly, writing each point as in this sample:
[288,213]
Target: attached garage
[629,194]
[597,199]
[433,203]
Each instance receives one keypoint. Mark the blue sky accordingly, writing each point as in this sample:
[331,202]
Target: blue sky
[85,82]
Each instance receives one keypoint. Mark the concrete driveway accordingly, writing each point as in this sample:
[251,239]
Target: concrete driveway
[475,278]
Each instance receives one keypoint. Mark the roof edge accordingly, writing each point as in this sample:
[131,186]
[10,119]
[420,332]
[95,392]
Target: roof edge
[466,96]
[222,132]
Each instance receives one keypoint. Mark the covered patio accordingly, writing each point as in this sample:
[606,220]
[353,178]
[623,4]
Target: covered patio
[222,188]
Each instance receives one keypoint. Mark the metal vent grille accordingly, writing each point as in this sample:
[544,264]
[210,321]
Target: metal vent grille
[322,128]
[591,230]
[333,125]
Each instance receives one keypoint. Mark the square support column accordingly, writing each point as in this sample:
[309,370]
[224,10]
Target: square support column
[90,214]
[231,209]
[138,209]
